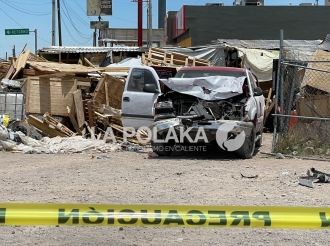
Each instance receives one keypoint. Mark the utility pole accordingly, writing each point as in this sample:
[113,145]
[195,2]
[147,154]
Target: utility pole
[148,36]
[53,22]
[14,51]
[140,35]
[59,22]
[140,18]
[150,24]
[35,41]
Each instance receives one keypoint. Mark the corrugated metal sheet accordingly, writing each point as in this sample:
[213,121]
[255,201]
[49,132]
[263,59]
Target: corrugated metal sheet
[325,45]
[306,45]
[76,49]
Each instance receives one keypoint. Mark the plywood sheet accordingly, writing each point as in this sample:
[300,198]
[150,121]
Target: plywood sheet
[20,63]
[79,108]
[314,106]
[61,67]
[316,79]
[51,95]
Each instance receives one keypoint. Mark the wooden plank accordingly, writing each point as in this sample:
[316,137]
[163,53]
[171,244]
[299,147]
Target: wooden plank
[88,128]
[44,128]
[106,89]
[79,108]
[99,88]
[116,69]
[57,125]
[268,98]
[61,67]
[271,106]
[90,114]
[20,63]
[83,83]
[51,95]
[73,119]
[33,57]
[89,63]
[10,71]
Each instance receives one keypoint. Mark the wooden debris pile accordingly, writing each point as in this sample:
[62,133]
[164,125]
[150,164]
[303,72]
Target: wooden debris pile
[4,67]
[49,126]
[161,57]
[69,99]
[104,109]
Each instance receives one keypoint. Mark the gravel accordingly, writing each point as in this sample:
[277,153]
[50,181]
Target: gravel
[212,178]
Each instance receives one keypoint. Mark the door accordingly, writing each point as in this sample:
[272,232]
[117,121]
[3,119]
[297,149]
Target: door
[259,103]
[138,105]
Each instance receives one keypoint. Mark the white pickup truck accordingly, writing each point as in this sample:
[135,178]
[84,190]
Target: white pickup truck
[210,98]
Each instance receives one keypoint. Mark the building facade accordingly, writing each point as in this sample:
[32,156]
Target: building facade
[199,25]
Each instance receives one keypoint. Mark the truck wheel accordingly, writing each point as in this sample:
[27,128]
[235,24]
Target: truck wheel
[162,149]
[246,151]
[259,141]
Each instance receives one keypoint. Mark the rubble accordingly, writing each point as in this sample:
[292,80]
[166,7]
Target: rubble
[314,176]
[60,105]
[279,156]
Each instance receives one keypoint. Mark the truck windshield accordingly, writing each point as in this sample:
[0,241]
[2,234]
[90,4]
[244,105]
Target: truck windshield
[206,73]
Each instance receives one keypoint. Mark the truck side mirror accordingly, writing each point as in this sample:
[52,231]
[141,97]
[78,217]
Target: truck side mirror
[257,91]
[150,88]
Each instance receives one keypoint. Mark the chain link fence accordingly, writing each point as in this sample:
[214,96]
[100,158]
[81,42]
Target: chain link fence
[302,118]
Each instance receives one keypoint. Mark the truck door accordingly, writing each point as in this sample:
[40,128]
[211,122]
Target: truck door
[138,105]
[259,103]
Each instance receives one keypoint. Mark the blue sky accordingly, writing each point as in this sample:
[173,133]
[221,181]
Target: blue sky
[36,14]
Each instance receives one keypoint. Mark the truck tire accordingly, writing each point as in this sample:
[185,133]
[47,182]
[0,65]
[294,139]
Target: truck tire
[162,149]
[246,151]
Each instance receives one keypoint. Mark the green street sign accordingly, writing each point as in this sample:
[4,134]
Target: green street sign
[23,31]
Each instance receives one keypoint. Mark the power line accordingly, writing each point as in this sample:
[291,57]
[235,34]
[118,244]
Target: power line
[11,18]
[23,11]
[68,16]
[73,37]
[20,24]
[70,12]
[34,3]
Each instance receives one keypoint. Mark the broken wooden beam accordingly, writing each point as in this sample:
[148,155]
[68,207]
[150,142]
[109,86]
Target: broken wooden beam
[44,128]
[57,125]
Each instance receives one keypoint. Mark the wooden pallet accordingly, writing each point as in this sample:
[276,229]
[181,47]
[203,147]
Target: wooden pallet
[160,57]
[109,91]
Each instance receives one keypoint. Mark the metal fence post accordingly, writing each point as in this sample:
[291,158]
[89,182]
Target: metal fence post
[277,86]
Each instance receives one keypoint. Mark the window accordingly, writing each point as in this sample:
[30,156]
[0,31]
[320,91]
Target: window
[139,78]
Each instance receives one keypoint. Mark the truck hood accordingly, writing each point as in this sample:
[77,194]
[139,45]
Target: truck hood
[207,88]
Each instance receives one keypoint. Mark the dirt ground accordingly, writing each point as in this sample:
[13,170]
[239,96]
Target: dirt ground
[133,178]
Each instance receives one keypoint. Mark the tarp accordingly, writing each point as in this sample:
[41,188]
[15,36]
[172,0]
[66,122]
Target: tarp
[260,62]
[128,62]
[208,88]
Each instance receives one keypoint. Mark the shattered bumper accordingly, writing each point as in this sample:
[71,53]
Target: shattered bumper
[210,127]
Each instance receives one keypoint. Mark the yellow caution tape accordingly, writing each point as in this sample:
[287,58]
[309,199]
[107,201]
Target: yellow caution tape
[163,215]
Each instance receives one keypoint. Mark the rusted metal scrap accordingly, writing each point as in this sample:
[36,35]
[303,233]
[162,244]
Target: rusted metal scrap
[321,177]
[314,176]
